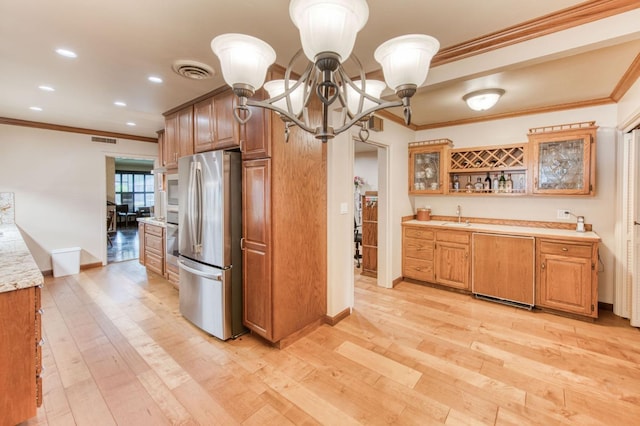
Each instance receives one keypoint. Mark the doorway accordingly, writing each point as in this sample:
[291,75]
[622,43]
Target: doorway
[365,168]
[130,194]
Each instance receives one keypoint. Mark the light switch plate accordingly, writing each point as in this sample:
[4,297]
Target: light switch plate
[344,208]
[564,214]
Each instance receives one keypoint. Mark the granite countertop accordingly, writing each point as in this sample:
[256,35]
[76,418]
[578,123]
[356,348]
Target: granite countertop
[509,229]
[153,221]
[17,268]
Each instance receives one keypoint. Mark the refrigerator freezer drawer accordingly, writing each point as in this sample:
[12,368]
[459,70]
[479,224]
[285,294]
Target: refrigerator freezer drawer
[205,298]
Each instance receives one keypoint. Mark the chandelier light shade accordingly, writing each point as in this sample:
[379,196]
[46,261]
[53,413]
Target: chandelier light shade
[482,100]
[276,88]
[328,30]
[373,88]
[328,26]
[405,60]
[244,59]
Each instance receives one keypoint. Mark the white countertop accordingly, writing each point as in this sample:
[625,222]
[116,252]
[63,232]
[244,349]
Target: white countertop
[508,229]
[153,221]
[18,270]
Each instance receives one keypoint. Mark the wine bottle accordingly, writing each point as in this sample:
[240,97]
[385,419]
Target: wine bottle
[508,185]
[495,183]
[502,182]
[487,183]
[456,183]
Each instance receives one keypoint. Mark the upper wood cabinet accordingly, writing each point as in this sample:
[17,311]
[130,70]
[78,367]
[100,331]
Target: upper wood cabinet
[215,126]
[563,160]
[178,136]
[426,166]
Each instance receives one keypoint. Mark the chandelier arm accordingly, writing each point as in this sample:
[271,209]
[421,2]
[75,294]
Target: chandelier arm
[286,115]
[359,117]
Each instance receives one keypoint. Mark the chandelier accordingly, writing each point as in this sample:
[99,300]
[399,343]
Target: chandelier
[328,31]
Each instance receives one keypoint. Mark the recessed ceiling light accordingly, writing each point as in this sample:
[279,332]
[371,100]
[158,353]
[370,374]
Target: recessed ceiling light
[46,88]
[66,53]
[120,104]
[155,79]
[131,123]
[35,108]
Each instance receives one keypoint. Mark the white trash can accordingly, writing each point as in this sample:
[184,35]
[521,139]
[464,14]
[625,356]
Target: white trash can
[65,261]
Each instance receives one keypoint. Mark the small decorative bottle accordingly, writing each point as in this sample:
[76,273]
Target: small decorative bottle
[469,186]
[478,185]
[487,183]
[456,183]
[495,183]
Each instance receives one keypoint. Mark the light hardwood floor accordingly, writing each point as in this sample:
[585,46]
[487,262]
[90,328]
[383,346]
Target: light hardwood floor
[118,352]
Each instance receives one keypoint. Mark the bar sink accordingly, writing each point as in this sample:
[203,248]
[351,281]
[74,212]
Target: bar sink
[460,224]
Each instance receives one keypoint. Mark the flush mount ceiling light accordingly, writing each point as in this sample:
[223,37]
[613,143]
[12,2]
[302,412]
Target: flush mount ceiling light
[66,53]
[482,100]
[328,31]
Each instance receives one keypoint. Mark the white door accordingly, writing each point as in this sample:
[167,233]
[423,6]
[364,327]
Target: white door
[634,232]
[628,284]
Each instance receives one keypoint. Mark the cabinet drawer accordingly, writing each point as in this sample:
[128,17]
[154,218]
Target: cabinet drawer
[453,237]
[154,230]
[418,249]
[154,263]
[565,248]
[154,243]
[425,234]
[418,269]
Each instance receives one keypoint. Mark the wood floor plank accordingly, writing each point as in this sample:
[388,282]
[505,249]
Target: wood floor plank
[119,352]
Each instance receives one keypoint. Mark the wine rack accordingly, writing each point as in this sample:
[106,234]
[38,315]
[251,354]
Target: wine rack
[476,162]
[488,159]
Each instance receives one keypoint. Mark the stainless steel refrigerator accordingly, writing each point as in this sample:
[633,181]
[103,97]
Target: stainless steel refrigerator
[210,228]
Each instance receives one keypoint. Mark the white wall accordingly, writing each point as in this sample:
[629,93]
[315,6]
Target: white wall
[340,163]
[629,107]
[59,181]
[366,166]
[598,210]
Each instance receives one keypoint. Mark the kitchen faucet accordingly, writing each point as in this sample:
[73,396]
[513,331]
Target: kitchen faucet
[458,212]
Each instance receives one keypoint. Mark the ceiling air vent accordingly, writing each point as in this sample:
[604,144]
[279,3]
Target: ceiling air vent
[103,140]
[193,70]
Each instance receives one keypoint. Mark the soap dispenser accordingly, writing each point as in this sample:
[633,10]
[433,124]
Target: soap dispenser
[580,224]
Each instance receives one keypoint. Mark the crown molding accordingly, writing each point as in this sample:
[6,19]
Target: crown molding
[628,79]
[69,129]
[580,14]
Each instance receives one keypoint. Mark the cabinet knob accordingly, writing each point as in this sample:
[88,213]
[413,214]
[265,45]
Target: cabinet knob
[40,311]
[542,266]
[41,342]
[565,249]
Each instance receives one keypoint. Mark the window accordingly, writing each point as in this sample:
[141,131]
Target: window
[134,189]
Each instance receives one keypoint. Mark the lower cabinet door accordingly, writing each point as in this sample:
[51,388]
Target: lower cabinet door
[565,284]
[452,264]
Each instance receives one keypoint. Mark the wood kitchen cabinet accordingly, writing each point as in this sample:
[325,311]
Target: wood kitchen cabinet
[564,158]
[20,355]
[452,258]
[427,166]
[567,276]
[503,267]
[178,136]
[284,237]
[152,247]
[418,246]
[215,125]
[439,256]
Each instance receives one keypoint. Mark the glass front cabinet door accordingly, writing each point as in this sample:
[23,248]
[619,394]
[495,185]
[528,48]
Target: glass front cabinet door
[563,159]
[426,166]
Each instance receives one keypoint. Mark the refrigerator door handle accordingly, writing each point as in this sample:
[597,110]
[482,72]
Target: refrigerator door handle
[195,206]
[217,277]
